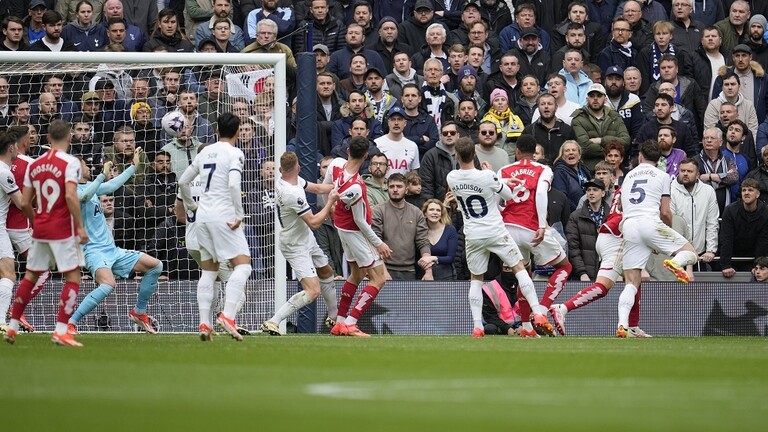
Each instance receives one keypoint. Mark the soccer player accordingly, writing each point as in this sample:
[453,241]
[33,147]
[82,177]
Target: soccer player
[19,228]
[103,259]
[219,217]
[298,245]
[477,193]
[58,230]
[645,197]
[608,247]
[525,216]
[364,249]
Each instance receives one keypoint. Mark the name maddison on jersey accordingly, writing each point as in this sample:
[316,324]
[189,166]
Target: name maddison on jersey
[46,168]
[464,186]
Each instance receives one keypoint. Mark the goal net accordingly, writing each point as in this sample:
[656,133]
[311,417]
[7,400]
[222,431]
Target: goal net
[117,101]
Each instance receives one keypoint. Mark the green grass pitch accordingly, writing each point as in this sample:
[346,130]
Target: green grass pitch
[391,383]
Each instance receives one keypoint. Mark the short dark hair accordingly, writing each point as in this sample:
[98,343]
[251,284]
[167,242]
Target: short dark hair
[228,125]
[750,183]
[670,57]
[729,75]
[447,123]
[574,26]
[161,153]
[743,125]
[6,141]
[667,98]
[650,150]
[526,144]
[670,128]
[413,86]
[690,161]
[58,130]
[51,17]
[11,19]
[465,148]
[18,132]
[397,177]
[358,147]
[761,261]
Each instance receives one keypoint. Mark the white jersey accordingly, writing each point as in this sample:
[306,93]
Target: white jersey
[291,206]
[403,155]
[476,192]
[213,164]
[8,188]
[642,190]
[190,233]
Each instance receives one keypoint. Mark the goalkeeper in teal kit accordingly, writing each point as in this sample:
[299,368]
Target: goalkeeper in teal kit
[103,259]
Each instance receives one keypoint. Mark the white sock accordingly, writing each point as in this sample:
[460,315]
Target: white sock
[296,302]
[6,294]
[205,296]
[328,291]
[476,302]
[527,326]
[61,328]
[525,285]
[350,320]
[236,289]
[241,302]
[685,258]
[14,325]
[626,301]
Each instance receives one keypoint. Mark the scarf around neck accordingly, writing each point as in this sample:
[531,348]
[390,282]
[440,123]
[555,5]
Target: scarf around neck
[656,55]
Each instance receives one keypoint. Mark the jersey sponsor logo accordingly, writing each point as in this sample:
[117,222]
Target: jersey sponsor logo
[398,164]
[10,180]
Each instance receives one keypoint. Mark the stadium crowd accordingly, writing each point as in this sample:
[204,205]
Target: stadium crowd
[590,80]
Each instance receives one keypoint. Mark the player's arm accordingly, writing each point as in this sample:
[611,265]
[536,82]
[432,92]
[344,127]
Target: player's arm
[185,186]
[115,184]
[314,220]
[92,188]
[502,189]
[27,195]
[358,213]
[542,200]
[666,212]
[235,193]
[178,210]
[318,188]
[73,204]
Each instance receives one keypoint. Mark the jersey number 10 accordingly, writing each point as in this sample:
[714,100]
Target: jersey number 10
[469,207]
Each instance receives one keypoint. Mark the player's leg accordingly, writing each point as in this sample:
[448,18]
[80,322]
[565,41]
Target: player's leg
[549,252]
[209,271]
[328,290]
[152,269]
[376,279]
[634,319]
[682,258]
[105,284]
[478,256]
[40,259]
[303,267]
[361,255]
[7,281]
[67,304]
[234,293]
[348,291]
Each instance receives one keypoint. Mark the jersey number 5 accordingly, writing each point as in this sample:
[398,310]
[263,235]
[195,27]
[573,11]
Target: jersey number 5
[636,189]
[212,168]
[469,206]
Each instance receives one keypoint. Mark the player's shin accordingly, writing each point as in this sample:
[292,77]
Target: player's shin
[685,258]
[626,300]
[91,301]
[364,301]
[634,313]
[147,287]
[20,301]
[525,310]
[328,291]
[236,289]
[555,284]
[586,296]
[6,293]
[205,296]
[296,302]
[67,303]
[44,276]
[529,292]
[347,295]
[476,302]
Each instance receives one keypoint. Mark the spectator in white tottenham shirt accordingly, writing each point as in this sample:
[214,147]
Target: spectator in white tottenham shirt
[402,153]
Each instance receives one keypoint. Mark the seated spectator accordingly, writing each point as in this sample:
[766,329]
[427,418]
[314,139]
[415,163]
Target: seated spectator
[760,174]
[731,92]
[403,227]
[83,146]
[158,191]
[357,105]
[117,30]
[376,181]
[15,34]
[222,10]
[501,314]
[220,40]
[509,127]
[736,150]
[443,239]
[582,229]
[413,193]
[121,154]
[670,158]
[167,34]
[569,173]
[201,129]
[744,230]
[85,32]
[182,149]
[760,270]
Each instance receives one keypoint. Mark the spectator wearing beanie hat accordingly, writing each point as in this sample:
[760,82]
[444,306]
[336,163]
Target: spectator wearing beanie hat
[467,88]
[509,127]
[757,40]
[385,43]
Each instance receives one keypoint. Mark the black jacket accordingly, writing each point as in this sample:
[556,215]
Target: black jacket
[550,139]
[743,234]
[435,166]
[417,128]
[581,233]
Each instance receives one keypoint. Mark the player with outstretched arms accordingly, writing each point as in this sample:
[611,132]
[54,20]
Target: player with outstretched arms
[477,193]
[645,197]
[19,228]
[57,233]
[103,259]
[298,244]
[219,215]
[364,250]
[525,216]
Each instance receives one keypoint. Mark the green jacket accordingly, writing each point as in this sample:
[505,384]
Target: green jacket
[586,126]
[376,194]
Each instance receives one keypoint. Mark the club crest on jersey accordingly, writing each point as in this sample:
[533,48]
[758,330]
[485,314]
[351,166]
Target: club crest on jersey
[300,201]
[9,179]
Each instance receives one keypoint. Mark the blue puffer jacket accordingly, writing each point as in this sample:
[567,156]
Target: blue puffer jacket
[91,38]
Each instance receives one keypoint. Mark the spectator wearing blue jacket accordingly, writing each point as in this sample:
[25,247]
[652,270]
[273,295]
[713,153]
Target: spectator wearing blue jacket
[284,17]
[525,16]
[83,32]
[135,37]
[569,173]
[341,59]
[221,9]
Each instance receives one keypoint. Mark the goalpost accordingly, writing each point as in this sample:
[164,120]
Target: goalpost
[98,93]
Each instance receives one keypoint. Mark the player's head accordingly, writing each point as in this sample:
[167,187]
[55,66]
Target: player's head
[7,143]
[526,146]
[85,170]
[465,148]
[289,163]
[650,151]
[358,148]
[228,125]
[59,134]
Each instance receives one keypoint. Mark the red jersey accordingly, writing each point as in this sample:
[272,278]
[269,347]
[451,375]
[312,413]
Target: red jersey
[522,210]
[16,219]
[351,190]
[48,176]
[613,221]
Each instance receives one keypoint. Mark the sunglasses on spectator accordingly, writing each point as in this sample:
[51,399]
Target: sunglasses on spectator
[449,133]
[487,132]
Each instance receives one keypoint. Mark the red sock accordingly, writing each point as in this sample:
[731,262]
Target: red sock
[586,296]
[347,294]
[556,284]
[634,313]
[366,298]
[67,302]
[525,307]
[22,298]
[41,280]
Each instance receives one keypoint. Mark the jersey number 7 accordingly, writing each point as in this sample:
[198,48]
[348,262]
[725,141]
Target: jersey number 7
[212,168]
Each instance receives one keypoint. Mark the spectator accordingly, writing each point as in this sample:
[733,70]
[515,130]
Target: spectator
[253,149]
[744,230]
[413,31]
[47,112]
[182,149]
[734,27]
[420,127]
[500,317]
[690,94]
[165,96]
[497,13]
[633,80]
[358,127]
[167,34]
[328,110]
[534,60]
[284,17]
[604,173]
[760,270]
[148,137]
[220,40]
[114,111]
[619,52]
[376,181]
[557,86]
[355,43]
[577,81]
[358,66]
[548,130]
[402,153]
[357,106]
[222,9]
[141,14]
[760,174]
[134,37]
[663,116]
[266,42]
[614,156]
[525,16]
[457,59]
[85,31]
[69,9]
[570,174]
[594,72]
[652,10]
[486,149]
[708,11]
[529,95]
[506,78]
[686,32]
[708,59]
[577,14]
[326,29]
[403,227]
[582,230]
[201,129]
[380,100]
[52,41]
[466,119]
[362,14]
[757,27]
[679,113]
[625,103]
[715,169]
[435,48]
[413,193]
[439,103]
[402,74]
[697,205]
[752,81]
[33,23]
[121,154]
[670,158]
[438,162]
[83,145]
[649,59]
[90,105]
[158,191]
[443,239]
[595,125]
[470,14]
[731,85]
[385,43]
[642,32]
[509,127]
[13,34]
[574,39]
[260,202]
[322,57]
[735,150]
[210,102]
[483,51]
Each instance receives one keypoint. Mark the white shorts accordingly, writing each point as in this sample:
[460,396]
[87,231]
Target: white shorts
[304,259]
[643,237]
[547,252]
[478,252]
[64,255]
[21,239]
[358,249]
[6,248]
[220,243]
[610,249]
[190,237]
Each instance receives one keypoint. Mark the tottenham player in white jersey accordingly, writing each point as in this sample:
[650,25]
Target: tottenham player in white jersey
[298,244]
[477,193]
[645,198]
[219,215]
